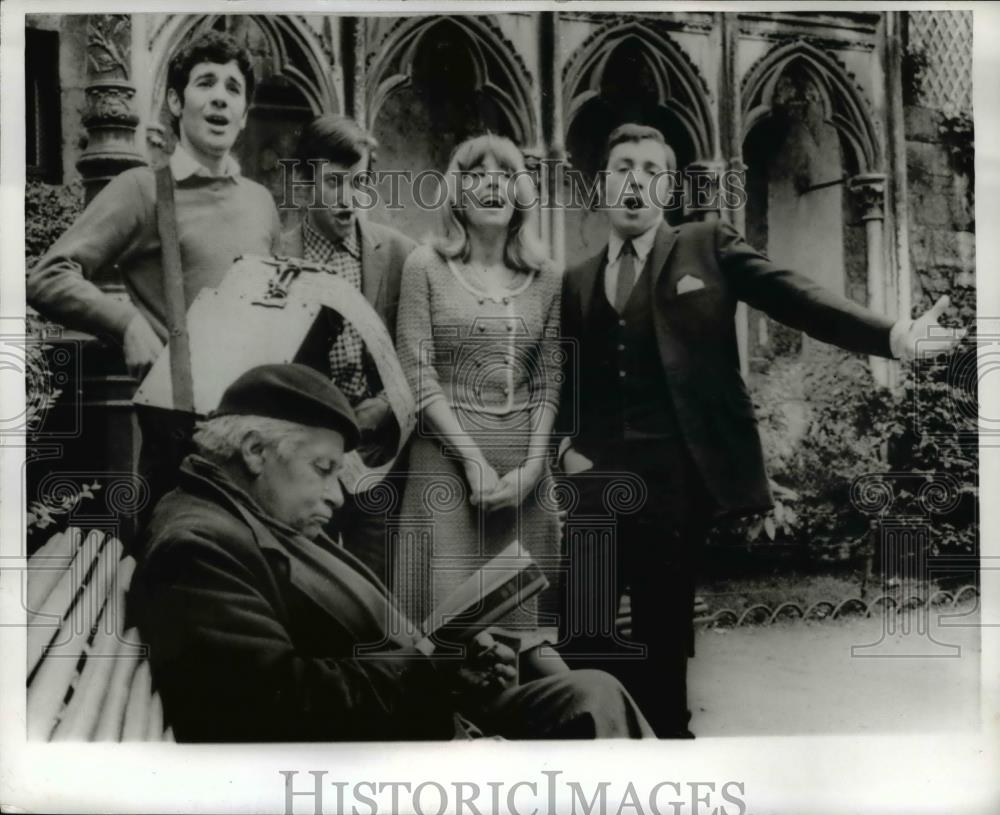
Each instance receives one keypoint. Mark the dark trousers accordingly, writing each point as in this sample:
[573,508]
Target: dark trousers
[569,705]
[361,524]
[639,523]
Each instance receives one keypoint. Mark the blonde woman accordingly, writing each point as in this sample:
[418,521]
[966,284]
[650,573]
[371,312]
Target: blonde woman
[477,335]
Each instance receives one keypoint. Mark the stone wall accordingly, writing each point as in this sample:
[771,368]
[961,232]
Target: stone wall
[941,213]
[937,93]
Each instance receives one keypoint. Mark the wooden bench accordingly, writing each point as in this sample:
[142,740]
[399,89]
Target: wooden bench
[88,679]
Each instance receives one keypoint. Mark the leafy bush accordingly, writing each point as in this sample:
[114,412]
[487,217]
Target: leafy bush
[855,428]
[48,212]
[847,436]
[914,67]
[959,138]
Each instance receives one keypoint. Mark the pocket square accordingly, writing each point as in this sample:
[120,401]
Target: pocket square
[689,283]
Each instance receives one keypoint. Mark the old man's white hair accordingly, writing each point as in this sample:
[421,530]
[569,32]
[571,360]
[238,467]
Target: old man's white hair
[220,438]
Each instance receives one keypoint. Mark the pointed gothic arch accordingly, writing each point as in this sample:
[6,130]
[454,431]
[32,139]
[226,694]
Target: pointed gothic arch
[497,71]
[845,105]
[677,86]
[294,52]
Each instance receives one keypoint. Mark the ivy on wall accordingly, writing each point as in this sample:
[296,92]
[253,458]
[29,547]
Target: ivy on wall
[958,137]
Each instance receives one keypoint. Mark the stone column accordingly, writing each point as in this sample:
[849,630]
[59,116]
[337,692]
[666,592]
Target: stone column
[111,442]
[352,33]
[553,136]
[897,222]
[110,116]
[869,191]
[703,189]
[731,141]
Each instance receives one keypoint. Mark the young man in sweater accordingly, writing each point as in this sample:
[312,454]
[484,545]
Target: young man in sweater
[220,215]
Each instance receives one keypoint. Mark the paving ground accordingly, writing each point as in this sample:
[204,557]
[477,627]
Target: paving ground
[802,678]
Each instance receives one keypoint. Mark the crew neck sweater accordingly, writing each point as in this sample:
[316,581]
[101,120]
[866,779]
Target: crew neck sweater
[218,219]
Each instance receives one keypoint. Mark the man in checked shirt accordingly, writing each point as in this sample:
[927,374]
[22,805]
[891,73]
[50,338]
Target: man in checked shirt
[332,150]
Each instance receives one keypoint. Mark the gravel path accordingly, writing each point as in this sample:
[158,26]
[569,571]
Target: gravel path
[801,678]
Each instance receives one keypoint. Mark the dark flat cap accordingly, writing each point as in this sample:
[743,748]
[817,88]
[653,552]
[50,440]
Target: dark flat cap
[294,393]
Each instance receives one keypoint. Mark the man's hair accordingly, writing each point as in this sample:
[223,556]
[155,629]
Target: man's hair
[212,46]
[219,439]
[334,138]
[634,132]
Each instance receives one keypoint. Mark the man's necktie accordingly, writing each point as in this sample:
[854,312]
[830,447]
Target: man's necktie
[626,276]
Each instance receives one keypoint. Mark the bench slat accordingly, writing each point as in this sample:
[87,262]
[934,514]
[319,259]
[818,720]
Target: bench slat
[57,672]
[109,725]
[79,721]
[44,622]
[51,682]
[155,730]
[86,678]
[139,702]
[44,570]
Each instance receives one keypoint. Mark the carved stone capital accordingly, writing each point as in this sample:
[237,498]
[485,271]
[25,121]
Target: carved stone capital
[110,102]
[109,45]
[109,114]
[869,191]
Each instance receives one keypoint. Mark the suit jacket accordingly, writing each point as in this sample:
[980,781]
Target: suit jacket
[696,338]
[383,252]
[241,649]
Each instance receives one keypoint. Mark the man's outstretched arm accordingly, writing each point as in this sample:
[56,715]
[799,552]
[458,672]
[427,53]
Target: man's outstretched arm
[798,301]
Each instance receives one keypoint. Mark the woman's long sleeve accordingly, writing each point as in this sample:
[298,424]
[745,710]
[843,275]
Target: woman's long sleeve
[414,331]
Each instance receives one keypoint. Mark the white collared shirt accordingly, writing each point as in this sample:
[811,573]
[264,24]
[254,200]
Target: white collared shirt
[183,165]
[642,244]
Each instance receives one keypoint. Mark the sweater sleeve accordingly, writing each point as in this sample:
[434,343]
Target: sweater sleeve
[228,667]
[414,329]
[60,285]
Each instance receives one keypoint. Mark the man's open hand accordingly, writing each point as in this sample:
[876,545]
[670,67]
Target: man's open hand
[925,336]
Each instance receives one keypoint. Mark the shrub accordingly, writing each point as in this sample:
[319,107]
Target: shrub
[855,427]
[48,212]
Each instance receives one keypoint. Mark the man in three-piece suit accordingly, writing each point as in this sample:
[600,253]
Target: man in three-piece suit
[332,151]
[656,391]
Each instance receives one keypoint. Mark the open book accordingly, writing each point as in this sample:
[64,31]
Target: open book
[497,588]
